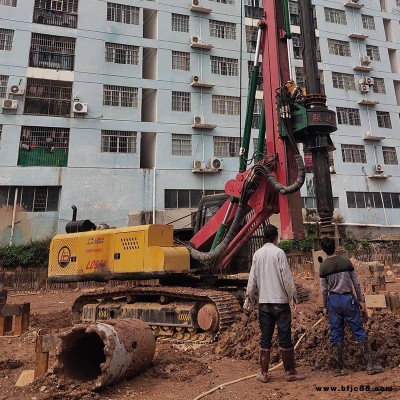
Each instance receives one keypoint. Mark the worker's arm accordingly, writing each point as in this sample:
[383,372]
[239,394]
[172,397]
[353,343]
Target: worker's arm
[252,283]
[357,286]
[287,278]
[324,290]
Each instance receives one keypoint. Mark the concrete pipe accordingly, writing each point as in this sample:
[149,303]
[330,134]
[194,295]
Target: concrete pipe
[102,353]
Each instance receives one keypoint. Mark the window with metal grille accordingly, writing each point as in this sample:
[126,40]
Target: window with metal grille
[379,85]
[294,11]
[297,46]
[251,38]
[224,1]
[6,39]
[383,118]
[12,3]
[223,30]
[48,97]
[224,66]
[180,23]
[31,198]
[181,145]
[260,76]
[43,146]
[3,86]
[343,81]
[120,96]
[181,60]
[389,155]
[339,47]
[181,101]
[354,153]
[118,142]
[122,13]
[122,53]
[373,52]
[54,52]
[335,16]
[256,114]
[253,9]
[56,12]
[368,21]
[300,77]
[225,146]
[397,3]
[185,198]
[225,104]
[311,202]
[373,200]
[348,116]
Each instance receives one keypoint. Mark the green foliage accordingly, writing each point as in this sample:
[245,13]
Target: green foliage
[306,244]
[349,243]
[25,255]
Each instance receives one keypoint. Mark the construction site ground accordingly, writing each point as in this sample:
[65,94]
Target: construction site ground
[185,371]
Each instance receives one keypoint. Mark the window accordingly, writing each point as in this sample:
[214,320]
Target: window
[225,104]
[1,130]
[122,13]
[224,1]
[353,153]
[339,47]
[54,52]
[225,146]
[343,81]
[56,12]
[181,101]
[48,97]
[383,118]
[251,38]
[253,9]
[43,146]
[122,53]
[118,142]
[373,52]
[180,23]
[368,21]
[181,145]
[181,60]
[6,39]
[379,85]
[12,3]
[311,202]
[257,113]
[335,16]
[373,200]
[223,30]
[224,66]
[300,78]
[294,13]
[185,198]
[260,76]
[297,46]
[120,96]
[3,86]
[389,155]
[31,198]
[348,116]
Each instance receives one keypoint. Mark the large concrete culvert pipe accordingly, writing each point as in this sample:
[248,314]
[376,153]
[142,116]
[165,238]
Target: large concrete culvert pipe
[102,353]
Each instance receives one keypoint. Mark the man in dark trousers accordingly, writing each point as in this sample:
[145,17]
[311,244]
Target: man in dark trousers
[271,281]
[337,279]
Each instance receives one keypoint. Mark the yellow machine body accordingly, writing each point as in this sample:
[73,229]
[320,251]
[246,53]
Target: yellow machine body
[119,253]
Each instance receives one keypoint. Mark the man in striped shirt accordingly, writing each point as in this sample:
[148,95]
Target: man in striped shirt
[337,279]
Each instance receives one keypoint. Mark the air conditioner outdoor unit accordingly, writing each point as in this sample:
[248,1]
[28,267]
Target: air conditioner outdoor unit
[378,168]
[17,90]
[198,164]
[195,78]
[354,1]
[369,80]
[9,104]
[216,163]
[198,120]
[195,39]
[332,169]
[364,88]
[195,2]
[79,107]
[366,60]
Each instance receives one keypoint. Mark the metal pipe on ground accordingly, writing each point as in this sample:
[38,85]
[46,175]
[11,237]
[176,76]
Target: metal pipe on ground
[102,353]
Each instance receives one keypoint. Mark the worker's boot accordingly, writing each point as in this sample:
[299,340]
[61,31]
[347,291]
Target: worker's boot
[372,368]
[265,355]
[289,365]
[339,368]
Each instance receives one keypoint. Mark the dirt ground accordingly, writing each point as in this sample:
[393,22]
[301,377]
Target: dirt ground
[184,372]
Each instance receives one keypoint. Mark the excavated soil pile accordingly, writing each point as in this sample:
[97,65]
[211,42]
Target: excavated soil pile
[242,341]
[53,320]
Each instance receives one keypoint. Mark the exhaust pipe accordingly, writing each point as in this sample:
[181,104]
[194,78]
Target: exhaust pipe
[102,353]
[74,211]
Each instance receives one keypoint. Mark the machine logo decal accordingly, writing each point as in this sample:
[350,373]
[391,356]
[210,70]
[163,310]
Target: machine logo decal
[64,256]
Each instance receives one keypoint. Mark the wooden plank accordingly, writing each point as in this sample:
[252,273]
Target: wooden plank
[375,301]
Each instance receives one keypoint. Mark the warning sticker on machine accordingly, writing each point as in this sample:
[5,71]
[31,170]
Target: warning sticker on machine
[64,256]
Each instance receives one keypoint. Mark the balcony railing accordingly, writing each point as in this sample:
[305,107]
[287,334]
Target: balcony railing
[51,17]
[45,59]
[45,106]
[43,156]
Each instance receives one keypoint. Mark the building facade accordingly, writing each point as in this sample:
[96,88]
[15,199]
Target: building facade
[133,109]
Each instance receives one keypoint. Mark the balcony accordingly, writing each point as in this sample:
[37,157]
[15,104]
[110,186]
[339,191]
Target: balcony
[43,156]
[45,59]
[57,18]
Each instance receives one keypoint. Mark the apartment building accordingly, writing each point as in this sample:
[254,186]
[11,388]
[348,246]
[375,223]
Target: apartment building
[133,109]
